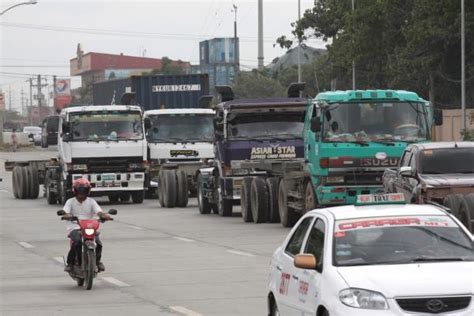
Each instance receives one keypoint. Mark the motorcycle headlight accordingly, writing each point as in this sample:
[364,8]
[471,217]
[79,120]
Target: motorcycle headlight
[365,299]
[89,231]
[79,167]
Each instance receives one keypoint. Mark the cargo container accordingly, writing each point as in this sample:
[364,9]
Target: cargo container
[156,91]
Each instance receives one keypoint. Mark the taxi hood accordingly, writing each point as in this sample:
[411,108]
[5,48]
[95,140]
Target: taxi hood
[420,279]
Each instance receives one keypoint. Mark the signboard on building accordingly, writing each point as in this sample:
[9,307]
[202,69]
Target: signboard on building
[2,102]
[62,94]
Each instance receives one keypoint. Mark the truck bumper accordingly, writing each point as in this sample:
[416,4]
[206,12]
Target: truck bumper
[343,195]
[113,182]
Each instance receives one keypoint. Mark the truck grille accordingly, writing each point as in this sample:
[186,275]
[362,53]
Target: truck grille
[434,305]
[107,164]
[359,178]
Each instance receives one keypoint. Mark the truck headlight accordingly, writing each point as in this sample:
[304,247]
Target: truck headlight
[79,167]
[339,179]
[240,172]
[365,299]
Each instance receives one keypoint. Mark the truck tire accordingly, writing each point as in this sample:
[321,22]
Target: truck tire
[182,194]
[34,182]
[273,212]
[113,198]
[288,217]
[124,197]
[245,200]
[466,212]
[23,183]
[453,202]
[138,197]
[203,203]
[169,188]
[310,198]
[51,197]
[259,200]
[14,182]
[161,184]
[224,205]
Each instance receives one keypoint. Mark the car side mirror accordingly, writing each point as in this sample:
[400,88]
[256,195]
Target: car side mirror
[66,128]
[61,213]
[113,211]
[315,124]
[406,171]
[438,117]
[305,261]
[147,122]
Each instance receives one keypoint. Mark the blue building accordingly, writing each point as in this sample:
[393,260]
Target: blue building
[219,59]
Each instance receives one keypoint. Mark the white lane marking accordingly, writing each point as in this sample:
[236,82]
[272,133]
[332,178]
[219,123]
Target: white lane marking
[25,245]
[59,259]
[240,253]
[115,282]
[184,311]
[135,227]
[184,239]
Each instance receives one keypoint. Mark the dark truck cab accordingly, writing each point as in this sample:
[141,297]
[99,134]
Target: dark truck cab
[440,172]
[253,139]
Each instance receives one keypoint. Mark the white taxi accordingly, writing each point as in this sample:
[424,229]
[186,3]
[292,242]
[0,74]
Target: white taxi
[378,259]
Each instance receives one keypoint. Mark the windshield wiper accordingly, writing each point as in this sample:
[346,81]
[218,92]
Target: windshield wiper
[433,259]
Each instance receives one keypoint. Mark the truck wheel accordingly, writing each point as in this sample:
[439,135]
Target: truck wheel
[138,197]
[466,212]
[169,188]
[113,198]
[273,212]
[203,203]
[453,202]
[23,183]
[182,195]
[245,200]
[224,205]
[34,182]
[51,197]
[124,197]
[259,200]
[14,182]
[310,198]
[160,189]
[63,194]
[288,217]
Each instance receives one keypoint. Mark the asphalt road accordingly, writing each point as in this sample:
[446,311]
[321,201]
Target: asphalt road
[158,261]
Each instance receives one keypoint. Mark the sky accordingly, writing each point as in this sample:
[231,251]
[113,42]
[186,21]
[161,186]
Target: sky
[42,38]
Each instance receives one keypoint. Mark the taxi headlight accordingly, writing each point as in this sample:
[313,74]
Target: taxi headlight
[89,231]
[365,299]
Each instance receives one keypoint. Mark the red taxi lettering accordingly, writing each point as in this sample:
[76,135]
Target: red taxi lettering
[303,288]
[379,222]
[284,283]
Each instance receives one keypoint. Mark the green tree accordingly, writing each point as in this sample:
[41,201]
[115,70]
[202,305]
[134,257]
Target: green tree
[255,84]
[168,67]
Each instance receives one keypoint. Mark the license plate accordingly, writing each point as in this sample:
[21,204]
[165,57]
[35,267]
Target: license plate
[108,177]
[107,185]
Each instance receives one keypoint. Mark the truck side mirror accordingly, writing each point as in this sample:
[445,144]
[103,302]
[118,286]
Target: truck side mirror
[315,124]
[66,128]
[438,117]
[406,171]
[147,122]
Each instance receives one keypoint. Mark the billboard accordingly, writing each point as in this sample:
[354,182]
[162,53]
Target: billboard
[62,93]
[2,102]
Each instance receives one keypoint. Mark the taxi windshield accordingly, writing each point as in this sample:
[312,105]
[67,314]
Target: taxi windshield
[400,240]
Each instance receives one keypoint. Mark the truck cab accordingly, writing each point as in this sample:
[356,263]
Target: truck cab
[179,144]
[104,144]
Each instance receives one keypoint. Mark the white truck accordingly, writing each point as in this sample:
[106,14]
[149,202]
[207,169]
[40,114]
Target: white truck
[179,144]
[105,144]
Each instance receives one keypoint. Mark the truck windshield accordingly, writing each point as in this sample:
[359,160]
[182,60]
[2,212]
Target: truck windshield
[447,160]
[95,126]
[181,127]
[400,240]
[264,126]
[384,121]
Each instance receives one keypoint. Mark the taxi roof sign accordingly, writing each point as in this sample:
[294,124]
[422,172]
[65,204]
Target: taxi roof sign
[371,199]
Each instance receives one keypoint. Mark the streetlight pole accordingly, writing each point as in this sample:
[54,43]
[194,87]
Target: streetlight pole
[353,61]
[17,5]
[299,45]
[463,70]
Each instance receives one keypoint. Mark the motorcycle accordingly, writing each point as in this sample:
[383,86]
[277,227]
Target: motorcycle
[85,270]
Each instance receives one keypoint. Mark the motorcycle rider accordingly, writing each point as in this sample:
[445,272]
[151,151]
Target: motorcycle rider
[83,207]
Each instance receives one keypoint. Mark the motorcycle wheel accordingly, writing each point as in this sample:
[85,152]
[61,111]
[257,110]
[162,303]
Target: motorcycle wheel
[89,268]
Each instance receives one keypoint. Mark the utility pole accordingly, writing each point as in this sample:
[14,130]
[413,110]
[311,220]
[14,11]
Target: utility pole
[463,70]
[38,86]
[260,34]
[9,98]
[31,92]
[22,101]
[299,46]
[236,46]
[353,61]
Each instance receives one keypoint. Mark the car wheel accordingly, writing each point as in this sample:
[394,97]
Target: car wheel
[274,309]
